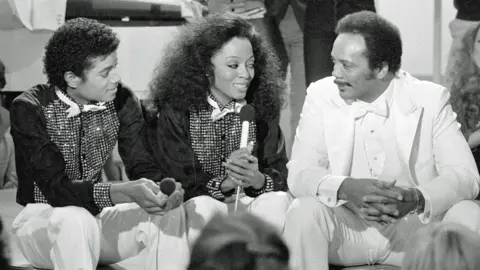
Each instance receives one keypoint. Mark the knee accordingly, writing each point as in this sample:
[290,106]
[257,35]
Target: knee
[306,208]
[74,219]
[276,200]
[204,206]
[466,213]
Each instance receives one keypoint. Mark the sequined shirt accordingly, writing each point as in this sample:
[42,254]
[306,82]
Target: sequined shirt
[60,158]
[190,147]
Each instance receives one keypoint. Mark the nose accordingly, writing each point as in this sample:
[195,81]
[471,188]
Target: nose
[336,72]
[245,72]
[115,76]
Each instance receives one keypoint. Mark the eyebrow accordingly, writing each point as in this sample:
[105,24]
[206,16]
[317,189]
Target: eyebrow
[108,68]
[236,57]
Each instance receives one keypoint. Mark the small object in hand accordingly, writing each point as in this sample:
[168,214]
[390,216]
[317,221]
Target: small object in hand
[167,186]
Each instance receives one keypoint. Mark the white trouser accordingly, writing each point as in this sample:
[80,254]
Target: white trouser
[70,238]
[271,207]
[318,235]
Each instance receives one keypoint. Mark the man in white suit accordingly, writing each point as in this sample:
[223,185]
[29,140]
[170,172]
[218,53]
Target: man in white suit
[377,154]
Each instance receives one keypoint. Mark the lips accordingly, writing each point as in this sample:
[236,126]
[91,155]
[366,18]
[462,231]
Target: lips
[241,86]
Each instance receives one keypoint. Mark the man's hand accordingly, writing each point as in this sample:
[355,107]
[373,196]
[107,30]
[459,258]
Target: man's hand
[355,190]
[243,166]
[147,195]
[386,210]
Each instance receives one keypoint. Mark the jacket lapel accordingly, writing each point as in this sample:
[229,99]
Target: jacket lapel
[406,115]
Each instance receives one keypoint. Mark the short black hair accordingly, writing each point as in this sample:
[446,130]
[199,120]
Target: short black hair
[382,38]
[73,47]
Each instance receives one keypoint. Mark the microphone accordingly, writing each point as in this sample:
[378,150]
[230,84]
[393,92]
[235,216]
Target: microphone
[167,186]
[247,115]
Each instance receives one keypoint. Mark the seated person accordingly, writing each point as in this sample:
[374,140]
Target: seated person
[378,154]
[241,242]
[464,78]
[63,133]
[8,174]
[443,246]
[213,68]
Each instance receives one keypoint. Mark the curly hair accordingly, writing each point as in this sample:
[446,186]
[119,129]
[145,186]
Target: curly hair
[73,47]
[382,38]
[463,80]
[239,242]
[180,80]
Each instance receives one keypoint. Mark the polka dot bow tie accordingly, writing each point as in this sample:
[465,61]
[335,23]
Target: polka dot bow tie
[75,109]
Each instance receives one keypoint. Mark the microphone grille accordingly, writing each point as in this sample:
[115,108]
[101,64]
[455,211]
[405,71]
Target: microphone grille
[247,113]
[167,186]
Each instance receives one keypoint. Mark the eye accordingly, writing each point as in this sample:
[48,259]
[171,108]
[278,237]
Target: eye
[234,66]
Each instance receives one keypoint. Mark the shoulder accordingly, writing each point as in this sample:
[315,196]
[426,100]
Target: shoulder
[38,96]
[423,93]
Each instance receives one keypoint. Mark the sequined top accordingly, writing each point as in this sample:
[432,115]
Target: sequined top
[60,158]
[190,147]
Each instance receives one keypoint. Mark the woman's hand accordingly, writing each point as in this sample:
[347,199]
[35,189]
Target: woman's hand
[243,167]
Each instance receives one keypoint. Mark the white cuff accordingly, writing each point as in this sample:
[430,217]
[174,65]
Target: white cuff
[327,190]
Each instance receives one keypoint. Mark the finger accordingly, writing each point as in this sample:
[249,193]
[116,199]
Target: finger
[250,146]
[388,209]
[378,199]
[235,168]
[388,193]
[235,5]
[152,186]
[242,163]
[370,211]
[155,210]
[235,181]
[251,159]
[388,219]
[236,178]
[370,218]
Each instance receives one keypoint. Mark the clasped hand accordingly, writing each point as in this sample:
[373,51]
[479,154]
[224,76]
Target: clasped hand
[147,195]
[380,201]
[247,10]
[242,170]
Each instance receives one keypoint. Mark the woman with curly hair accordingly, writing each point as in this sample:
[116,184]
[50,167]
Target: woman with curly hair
[214,67]
[463,80]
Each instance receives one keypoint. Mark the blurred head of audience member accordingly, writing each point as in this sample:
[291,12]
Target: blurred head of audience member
[444,246]
[222,55]
[4,256]
[241,242]
[80,59]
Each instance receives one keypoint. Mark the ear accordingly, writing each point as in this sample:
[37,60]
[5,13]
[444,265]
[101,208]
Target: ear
[383,71]
[71,79]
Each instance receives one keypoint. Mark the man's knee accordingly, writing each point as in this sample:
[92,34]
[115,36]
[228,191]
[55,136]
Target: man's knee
[465,212]
[74,219]
[306,208]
